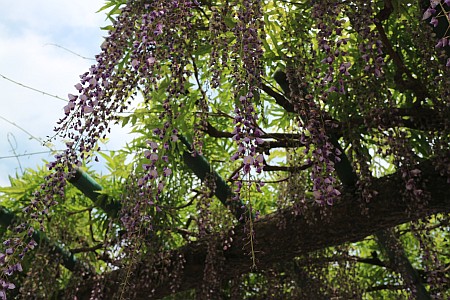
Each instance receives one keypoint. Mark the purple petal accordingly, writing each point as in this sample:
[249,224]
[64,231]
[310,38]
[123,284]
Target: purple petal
[434,21]
[78,86]
[87,109]
[72,97]
[428,13]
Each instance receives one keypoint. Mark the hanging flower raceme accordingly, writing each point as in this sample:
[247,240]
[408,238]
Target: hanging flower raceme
[139,210]
[438,14]
[105,90]
[247,53]
[310,99]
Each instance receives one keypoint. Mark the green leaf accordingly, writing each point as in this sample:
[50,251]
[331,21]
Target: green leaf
[230,22]
[106,6]
[202,50]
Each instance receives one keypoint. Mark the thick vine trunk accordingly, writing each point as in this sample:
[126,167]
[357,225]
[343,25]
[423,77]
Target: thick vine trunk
[283,235]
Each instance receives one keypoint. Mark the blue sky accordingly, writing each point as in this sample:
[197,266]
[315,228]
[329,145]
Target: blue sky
[27,30]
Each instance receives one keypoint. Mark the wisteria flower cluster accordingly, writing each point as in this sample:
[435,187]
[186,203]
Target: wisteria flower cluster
[247,53]
[439,12]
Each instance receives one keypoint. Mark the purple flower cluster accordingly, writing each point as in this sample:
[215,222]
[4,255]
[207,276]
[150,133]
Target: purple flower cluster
[4,286]
[151,168]
[370,45]
[435,13]
[332,45]
[247,53]
[41,203]
[247,137]
[105,90]
[139,208]
[308,100]
[160,40]
[323,155]
[8,260]
[219,41]
[248,39]
[431,11]
[205,221]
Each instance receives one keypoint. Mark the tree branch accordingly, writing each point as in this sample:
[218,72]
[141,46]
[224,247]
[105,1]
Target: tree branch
[293,169]
[420,118]
[410,83]
[274,243]
[87,249]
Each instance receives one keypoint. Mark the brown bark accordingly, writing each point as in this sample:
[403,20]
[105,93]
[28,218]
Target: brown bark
[283,235]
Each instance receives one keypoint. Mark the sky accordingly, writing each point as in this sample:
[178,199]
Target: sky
[29,31]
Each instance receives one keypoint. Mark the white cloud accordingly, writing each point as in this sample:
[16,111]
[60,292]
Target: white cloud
[46,15]
[26,28]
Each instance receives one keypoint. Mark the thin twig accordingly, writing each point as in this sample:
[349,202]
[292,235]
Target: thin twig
[33,89]
[68,50]
[87,249]
[14,148]
[27,132]
[292,169]
[70,213]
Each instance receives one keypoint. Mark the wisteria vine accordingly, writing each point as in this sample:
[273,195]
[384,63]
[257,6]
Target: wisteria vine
[153,47]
